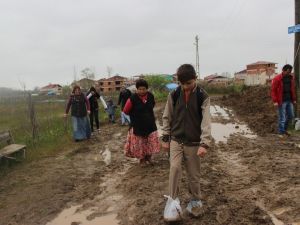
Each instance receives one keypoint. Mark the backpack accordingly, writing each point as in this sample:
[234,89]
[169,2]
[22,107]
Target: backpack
[200,97]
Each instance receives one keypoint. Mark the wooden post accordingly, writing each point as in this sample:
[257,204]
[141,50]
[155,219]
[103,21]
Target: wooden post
[32,116]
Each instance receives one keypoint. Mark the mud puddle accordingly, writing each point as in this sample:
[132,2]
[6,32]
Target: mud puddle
[218,111]
[222,131]
[75,216]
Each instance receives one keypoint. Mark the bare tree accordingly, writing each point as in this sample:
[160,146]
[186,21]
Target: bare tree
[32,117]
[90,76]
[88,73]
[109,70]
[22,84]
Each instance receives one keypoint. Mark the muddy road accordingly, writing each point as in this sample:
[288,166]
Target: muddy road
[246,179]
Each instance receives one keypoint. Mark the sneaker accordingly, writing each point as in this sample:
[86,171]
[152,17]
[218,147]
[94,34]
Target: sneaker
[195,207]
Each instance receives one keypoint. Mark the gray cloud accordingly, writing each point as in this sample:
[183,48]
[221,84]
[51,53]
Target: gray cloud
[41,41]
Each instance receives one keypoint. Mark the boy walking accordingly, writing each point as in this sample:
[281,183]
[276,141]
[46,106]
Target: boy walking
[186,133]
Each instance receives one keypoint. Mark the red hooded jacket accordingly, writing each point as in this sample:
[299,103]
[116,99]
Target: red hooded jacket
[277,89]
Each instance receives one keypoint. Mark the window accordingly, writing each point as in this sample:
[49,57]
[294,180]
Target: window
[109,89]
[109,83]
[102,89]
[118,88]
[118,82]
[101,83]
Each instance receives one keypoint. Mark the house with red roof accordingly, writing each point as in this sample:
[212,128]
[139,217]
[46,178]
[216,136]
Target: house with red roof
[51,89]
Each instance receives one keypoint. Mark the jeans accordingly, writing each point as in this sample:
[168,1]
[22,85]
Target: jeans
[81,128]
[111,118]
[285,114]
[125,118]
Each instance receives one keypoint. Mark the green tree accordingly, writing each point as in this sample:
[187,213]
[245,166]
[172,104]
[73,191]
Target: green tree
[156,82]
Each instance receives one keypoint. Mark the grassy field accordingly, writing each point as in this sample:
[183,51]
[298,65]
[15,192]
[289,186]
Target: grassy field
[54,131]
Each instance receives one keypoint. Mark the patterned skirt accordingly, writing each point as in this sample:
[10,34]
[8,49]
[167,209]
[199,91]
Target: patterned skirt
[139,147]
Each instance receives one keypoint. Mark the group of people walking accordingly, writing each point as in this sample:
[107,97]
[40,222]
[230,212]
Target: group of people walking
[186,127]
[186,131]
[82,106]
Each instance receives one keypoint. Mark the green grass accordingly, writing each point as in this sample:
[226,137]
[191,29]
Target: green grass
[160,96]
[54,131]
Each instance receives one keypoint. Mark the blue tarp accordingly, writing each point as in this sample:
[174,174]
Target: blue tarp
[171,86]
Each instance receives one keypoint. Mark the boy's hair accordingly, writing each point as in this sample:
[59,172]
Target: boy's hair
[141,83]
[287,67]
[185,73]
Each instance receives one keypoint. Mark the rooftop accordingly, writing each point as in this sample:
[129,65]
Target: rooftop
[261,63]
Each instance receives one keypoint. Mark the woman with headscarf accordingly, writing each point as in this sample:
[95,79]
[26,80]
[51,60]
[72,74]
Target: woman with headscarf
[80,107]
[142,139]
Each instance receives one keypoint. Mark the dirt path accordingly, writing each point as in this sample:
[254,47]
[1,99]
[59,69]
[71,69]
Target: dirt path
[244,181]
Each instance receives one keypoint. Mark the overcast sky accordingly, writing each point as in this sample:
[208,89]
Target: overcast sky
[42,41]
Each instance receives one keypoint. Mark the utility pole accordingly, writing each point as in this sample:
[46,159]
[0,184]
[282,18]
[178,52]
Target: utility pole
[296,55]
[74,73]
[197,57]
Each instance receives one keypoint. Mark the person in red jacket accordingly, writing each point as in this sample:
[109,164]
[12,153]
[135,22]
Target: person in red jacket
[284,96]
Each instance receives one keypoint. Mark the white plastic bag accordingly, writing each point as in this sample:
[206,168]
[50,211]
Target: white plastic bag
[103,102]
[173,211]
[297,124]
[89,95]
[106,156]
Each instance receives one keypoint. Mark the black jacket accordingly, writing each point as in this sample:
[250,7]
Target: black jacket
[142,115]
[94,101]
[123,97]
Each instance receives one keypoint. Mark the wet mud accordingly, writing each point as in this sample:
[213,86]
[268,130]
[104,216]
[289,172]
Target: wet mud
[245,180]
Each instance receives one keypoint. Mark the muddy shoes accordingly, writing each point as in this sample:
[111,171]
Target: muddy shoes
[173,211]
[195,208]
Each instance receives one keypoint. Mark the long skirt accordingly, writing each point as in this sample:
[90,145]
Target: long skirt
[81,128]
[140,147]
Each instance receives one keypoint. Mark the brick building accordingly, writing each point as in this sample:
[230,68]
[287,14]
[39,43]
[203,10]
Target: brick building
[112,84]
[217,80]
[240,77]
[260,73]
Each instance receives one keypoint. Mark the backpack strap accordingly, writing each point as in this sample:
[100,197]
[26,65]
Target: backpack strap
[201,95]
[175,95]
[200,99]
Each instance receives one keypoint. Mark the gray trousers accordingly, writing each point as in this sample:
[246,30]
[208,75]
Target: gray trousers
[188,154]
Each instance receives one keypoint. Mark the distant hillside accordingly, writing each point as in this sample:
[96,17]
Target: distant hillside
[9,92]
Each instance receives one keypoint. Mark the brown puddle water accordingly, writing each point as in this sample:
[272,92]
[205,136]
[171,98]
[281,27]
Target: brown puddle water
[72,216]
[221,132]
